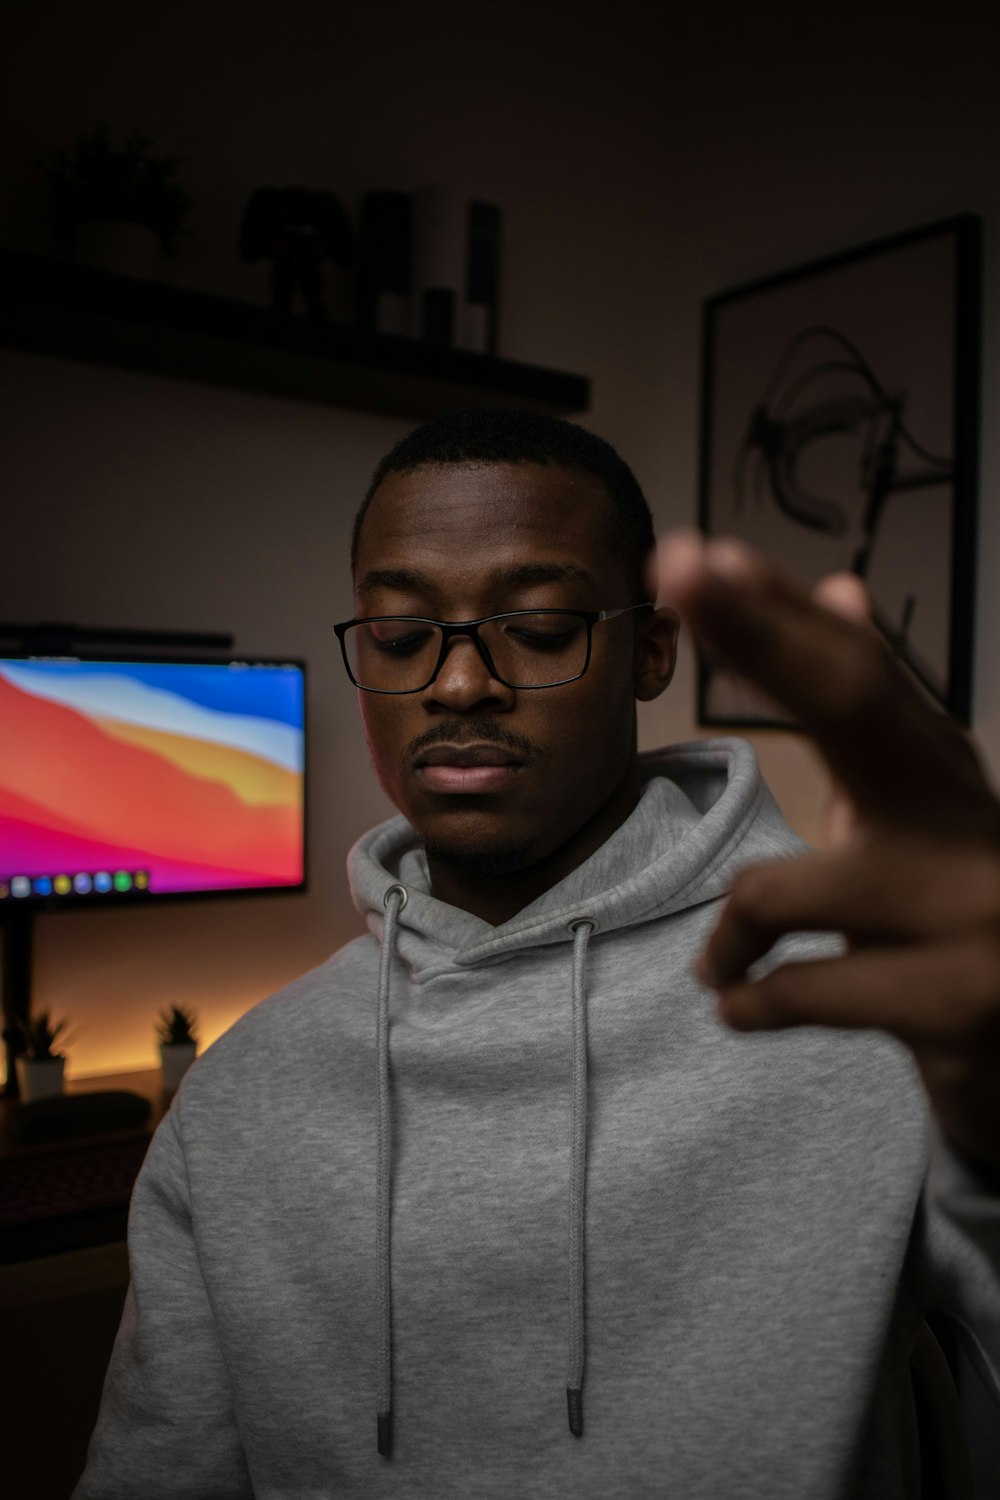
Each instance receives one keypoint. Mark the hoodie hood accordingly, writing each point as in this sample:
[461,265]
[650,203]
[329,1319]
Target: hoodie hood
[703,813]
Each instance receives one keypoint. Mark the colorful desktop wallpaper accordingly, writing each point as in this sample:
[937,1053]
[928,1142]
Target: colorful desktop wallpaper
[164,776]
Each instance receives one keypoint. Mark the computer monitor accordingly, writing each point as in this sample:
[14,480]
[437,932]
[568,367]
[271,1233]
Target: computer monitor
[125,780]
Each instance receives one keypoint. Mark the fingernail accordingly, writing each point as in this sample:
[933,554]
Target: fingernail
[729,559]
[683,536]
[680,549]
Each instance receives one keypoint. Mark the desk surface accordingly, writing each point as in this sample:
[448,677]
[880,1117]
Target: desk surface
[148,1083]
[99,1214]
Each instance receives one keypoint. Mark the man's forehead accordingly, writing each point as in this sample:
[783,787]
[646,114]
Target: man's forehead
[525,507]
[407,579]
[487,532]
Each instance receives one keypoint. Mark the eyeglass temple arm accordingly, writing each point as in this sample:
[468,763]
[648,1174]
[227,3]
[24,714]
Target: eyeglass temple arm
[611,614]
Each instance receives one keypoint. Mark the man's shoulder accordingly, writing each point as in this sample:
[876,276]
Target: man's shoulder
[319,1002]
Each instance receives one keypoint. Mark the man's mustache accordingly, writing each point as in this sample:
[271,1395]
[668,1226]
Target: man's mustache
[472,732]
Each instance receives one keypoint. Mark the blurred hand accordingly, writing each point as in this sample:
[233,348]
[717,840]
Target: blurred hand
[911,874]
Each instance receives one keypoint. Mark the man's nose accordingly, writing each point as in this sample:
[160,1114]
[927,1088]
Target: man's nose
[465,678]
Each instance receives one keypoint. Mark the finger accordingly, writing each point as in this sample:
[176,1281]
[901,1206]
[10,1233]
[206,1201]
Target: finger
[840,820]
[834,675]
[903,891]
[936,997]
[804,655]
[847,595]
[844,594]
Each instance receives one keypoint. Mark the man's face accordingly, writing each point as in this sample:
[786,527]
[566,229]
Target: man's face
[456,543]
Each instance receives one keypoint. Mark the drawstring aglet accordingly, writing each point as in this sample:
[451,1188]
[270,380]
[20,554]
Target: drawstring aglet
[574,1401]
[384,1419]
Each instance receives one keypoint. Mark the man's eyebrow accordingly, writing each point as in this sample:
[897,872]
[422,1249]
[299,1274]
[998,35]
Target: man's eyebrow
[409,580]
[403,579]
[544,573]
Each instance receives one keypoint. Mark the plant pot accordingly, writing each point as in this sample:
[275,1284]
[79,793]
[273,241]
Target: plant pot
[175,1059]
[114,245]
[39,1077]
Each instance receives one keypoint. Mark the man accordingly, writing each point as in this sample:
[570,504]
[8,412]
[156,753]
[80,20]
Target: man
[502,1174]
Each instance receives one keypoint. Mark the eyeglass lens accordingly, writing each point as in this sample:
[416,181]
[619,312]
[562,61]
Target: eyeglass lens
[527,650]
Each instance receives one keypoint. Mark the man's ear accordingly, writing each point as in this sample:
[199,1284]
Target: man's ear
[655,654]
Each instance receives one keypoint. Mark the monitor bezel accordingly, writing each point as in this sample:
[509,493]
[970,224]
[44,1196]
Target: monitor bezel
[108,900]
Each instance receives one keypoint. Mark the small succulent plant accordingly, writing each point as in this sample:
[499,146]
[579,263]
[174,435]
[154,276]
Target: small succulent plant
[176,1026]
[95,180]
[38,1033]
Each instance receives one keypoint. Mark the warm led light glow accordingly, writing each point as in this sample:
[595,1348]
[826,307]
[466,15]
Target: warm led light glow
[112,1057]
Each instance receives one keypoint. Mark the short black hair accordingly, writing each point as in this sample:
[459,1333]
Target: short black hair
[486,435]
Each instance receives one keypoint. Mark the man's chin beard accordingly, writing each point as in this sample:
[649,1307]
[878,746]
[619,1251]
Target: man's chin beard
[482,859]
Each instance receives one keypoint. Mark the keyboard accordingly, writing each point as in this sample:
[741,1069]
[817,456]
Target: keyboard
[72,1180]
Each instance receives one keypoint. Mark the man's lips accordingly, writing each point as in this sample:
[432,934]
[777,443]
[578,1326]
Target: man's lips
[468,755]
[467,768]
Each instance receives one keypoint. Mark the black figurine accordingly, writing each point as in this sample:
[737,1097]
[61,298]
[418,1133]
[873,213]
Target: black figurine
[297,230]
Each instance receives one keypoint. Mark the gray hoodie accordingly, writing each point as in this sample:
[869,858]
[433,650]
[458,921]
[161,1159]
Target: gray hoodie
[458,1170]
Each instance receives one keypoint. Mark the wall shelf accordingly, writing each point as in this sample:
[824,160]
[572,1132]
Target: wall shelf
[50,306]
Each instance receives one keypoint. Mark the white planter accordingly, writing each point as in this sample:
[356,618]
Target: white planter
[110,245]
[175,1059]
[39,1077]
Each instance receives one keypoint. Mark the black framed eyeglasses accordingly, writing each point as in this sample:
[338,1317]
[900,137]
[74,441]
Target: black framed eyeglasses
[523,648]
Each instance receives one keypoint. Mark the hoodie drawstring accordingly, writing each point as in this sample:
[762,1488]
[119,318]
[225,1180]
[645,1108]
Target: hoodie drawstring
[581,929]
[383,1173]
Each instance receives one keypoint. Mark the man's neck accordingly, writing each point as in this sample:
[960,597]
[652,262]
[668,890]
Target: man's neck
[497,898]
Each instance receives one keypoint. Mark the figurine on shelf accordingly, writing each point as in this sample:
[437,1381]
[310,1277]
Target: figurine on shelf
[297,230]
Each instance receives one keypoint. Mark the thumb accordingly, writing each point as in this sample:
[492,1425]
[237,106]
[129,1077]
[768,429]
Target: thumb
[843,594]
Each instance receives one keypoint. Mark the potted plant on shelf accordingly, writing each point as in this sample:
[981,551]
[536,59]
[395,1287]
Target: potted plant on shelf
[116,208]
[178,1045]
[40,1071]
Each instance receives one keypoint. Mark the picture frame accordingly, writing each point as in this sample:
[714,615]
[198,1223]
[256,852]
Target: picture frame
[839,430]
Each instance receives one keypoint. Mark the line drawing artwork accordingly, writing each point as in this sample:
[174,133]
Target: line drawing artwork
[839,432]
[799,409]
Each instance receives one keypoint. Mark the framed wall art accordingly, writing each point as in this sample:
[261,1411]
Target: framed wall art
[839,430]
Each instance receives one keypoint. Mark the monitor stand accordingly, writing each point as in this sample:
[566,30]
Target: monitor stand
[16,926]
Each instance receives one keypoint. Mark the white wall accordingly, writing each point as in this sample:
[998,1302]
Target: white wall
[645,155]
